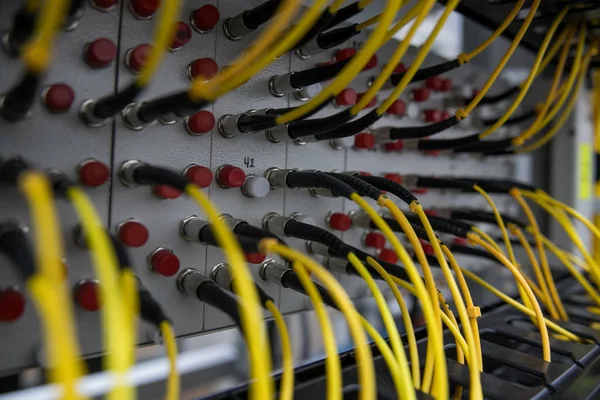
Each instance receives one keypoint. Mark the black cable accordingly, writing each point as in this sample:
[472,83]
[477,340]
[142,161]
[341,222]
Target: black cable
[260,14]
[317,74]
[344,14]
[437,223]
[291,281]
[427,72]
[318,27]
[432,182]
[213,294]
[20,31]
[362,187]
[447,144]
[11,170]
[351,128]
[486,217]
[491,99]
[335,37]
[484,146]
[263,297]
[248,244]
[18,101]
[14,244]
[150,175]
[177,103]
[299,179]
[245,229]
[419,132]
[513,120]
[248,123]
[281,111]
[108,106]
[311,127]
[471,251]
[390,186]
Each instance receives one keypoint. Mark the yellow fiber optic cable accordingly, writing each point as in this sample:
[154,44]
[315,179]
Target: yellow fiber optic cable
[37,52]
[515,304]
[119,341]
[535,266]
[408,326]
[47,287]
[440,387]
[487,238]
[462,113]
[539,316]
[429,285]
[533,73]
[402,22]
[131,300]
[333,368]
[287,376]
[537,235]
[366,372]
[250,314]
[173,382]
[351,69]
[475,390]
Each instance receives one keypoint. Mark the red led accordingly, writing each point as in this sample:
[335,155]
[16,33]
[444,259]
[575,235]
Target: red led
[229,176]
[203,68]
[431,115]
[183,34]
[446,85]
[364,173]
[133,233]
[398,108]
[364,141]
[136,57]
[164,262]
[104,5]
[347,97]
[165,192]
[12,305]
[400,68]
[205,18]
[144,8]
[255,258]
[375,240]
[388,255]
[394,178]
[199,175]
[372,63]
[430,212]
[339,221]
[344,54]
[58,97]
[420,94]
[419,190]
[434,83]
[200,122]
[87,295]
[398,145]
[93,173]
[100,53]
[371,103]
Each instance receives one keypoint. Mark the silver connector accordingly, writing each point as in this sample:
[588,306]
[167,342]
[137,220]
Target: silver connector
[221,274]
[86,113]
[228,125]
[190,228]
[277,177]
[189,280]
[410,145]
[309,48]
[278,133]
[321,192]
[271,271]
[234,28]
[360,219]
[317,248]
[382,135]
[275,223]
[280,85]
[127,172]
[131,119]
[336,265]
[231,221]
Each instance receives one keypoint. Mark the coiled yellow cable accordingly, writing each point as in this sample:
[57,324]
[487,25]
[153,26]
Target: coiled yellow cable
[287,376]
[333,368]
[440,386]
[47,286]
[173,382]
[119,340]
[250,314]
[163,35]
[366,372]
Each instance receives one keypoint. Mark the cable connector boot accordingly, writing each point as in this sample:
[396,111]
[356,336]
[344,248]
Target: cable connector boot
[190,228]
[271,271]
[189,280]
[280,85]
[221,274]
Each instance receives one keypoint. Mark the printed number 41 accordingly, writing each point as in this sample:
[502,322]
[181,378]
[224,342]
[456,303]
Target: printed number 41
[249,162]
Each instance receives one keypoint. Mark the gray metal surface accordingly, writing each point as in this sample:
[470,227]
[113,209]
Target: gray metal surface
[62,141]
